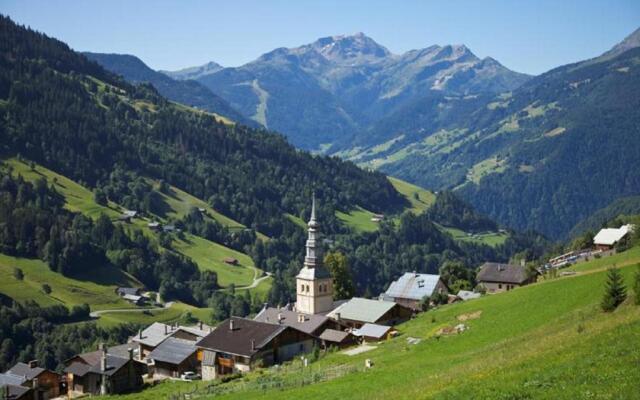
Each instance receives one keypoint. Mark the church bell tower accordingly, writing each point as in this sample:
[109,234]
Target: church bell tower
[314,285]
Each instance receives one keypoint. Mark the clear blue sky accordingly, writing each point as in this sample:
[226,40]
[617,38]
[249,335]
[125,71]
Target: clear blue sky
[528,37]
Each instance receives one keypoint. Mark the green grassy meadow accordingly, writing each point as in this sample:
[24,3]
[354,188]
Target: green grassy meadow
[420,199]
[490,238]
[358,219]
[97,288]
[548,340]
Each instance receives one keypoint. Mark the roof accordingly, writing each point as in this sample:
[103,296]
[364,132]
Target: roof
[319,272]
[413,286]
[117,356]
[154,334]
[238,340]
[129,213]
[114,363]
[11,379]
[468,295]
[365,310]
[333,335]
[128,290]
[15,391]
[173,351]
[77,368]
[132,297]
[610,236]
[290,318]
[195,330]
[507,273]
[372,330]
[23,369]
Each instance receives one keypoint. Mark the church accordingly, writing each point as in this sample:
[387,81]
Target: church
[315,309]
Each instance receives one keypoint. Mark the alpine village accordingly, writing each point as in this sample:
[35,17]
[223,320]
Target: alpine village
[328,221]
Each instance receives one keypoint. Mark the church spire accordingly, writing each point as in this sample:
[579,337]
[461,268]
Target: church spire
[313,223]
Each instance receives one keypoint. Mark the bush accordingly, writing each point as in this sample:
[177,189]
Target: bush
[18,274]
[46,288]
[615,291]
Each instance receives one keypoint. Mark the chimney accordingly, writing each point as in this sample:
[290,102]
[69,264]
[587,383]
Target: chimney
[231,327]
[337,316]
[34,383]
[523,263]
[166,330]
[300,318]
[140,333]
[130,350]
[200,325]
[103,360]
[253,345]
[280,318]
[33,364]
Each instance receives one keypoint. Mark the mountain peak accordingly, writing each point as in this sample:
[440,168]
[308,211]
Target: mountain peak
[194,72]
[350,49]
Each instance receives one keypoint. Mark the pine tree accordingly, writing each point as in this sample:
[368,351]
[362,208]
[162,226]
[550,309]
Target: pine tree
[615,291]
[636,285]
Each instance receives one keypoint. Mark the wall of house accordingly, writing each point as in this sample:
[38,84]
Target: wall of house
[498,287]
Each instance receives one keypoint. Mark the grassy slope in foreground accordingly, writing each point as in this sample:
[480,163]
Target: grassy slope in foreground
[97,290]
[548,340]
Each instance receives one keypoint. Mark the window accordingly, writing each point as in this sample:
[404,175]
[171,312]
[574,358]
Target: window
[301,288]
[307,288]
[499,285]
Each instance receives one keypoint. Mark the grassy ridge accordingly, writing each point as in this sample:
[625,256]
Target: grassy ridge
[491,238]
[359,220]
[420,199]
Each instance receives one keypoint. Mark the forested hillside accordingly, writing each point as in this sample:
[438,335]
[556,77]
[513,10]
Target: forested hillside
[188,92]
[543,156]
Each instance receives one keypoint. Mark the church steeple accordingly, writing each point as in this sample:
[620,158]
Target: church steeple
[314,283]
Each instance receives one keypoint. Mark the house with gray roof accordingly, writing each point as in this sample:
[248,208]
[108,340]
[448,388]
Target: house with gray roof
[359,311]
[173,357]
[45,382]
[13,391]
[333,337]
[312,324]
[239,344]
[372,332]
[101,372]
[411,288]
[148,339]
[497,277]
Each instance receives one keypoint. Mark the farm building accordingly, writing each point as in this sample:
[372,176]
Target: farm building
[238,344]
[412,287]
[372,332]
[231,261]
[465,295]
[173,357]
[46,383]
[607,238]
[100,372]
[358,311]
[496,277]
[333,337]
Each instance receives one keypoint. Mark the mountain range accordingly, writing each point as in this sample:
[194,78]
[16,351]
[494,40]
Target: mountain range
[531,152]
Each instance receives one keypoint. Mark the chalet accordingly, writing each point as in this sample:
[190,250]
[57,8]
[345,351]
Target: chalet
[11,387]
[411,288]
[311,324]
[46,383]
[128,215]
[133,299]
[496,277]
[231,261]
[239,345]
[154,226]
[100,372]
[123,291]
[607,238]
[372,332]
[148,339]
[336,338]
[173,357]
[358,311]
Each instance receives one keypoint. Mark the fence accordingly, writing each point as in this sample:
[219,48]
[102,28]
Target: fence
[281,378]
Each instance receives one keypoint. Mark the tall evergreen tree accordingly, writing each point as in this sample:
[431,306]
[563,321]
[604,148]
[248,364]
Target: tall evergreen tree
[338,264]
[615,291]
